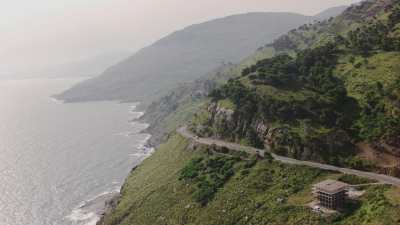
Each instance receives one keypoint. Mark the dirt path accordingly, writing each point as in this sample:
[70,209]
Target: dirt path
[254,151]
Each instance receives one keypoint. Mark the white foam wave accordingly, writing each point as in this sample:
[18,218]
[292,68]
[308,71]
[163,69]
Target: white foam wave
[91,200]
[126,134]
[89,211]
[143,150]
[143,154]
[143,126]
[137,131]
[53,99]
[133,110]
[135,105]
[142,144]
[137,115]
[84,218]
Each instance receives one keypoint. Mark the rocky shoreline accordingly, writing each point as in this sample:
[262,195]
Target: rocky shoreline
[154,115]
[112,201]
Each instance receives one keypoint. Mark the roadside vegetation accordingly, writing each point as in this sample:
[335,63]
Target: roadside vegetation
[165,190]
[208,175]
[330,85]
[319,101]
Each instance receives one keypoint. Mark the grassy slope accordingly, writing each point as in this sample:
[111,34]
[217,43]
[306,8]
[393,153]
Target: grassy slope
[358,76]
[314,35]
[151,189]
[181,115]
[153,194]
[383,67]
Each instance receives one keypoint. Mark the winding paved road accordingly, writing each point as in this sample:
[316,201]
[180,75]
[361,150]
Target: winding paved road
[254,151]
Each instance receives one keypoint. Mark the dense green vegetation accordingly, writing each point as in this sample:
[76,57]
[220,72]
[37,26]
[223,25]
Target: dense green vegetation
[374,121]
[311,71]
[208,175]
[317,100]
[312,101]
[354,180]
[377,35]
[374,209]
[258,192]
[330,85]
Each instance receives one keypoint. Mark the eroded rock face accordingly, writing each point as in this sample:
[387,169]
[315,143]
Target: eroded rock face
[226,124]
[390,146]
[221,120]
[261,128]
[219,112]
[394,144]
[284,142]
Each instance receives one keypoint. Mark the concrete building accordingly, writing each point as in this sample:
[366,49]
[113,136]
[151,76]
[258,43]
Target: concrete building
[331,193]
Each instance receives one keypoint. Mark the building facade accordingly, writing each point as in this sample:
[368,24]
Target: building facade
[331,193]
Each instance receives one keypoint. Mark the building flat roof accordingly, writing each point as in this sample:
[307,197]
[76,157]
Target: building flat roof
[331,186]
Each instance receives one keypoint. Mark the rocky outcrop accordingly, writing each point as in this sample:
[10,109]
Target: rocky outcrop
[331,146]
[225,123]
[220,119]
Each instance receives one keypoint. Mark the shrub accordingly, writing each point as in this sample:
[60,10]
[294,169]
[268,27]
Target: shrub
[360,164]
[354,180]
[205,192]
[208,175]
[191,170]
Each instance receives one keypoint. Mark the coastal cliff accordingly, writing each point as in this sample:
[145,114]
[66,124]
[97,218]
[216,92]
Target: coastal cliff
[309,95]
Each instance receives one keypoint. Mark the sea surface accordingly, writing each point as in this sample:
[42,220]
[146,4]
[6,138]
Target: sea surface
[59,162]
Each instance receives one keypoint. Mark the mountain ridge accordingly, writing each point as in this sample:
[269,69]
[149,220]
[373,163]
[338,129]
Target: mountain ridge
[331,12]
[184,55]
[301,96]
[327,95]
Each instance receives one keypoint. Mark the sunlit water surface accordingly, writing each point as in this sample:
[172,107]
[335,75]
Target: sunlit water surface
[55,158]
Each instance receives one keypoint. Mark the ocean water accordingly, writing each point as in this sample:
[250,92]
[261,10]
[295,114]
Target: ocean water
[59,162]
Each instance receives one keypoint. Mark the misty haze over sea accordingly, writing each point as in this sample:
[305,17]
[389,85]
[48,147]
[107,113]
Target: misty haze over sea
[54,156]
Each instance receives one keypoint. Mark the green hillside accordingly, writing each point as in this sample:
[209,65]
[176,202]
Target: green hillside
[308,35]
[166,190]
[318,102]
[327,92]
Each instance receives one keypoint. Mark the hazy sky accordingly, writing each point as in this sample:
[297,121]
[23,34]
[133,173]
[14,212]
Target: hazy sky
[39,33]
